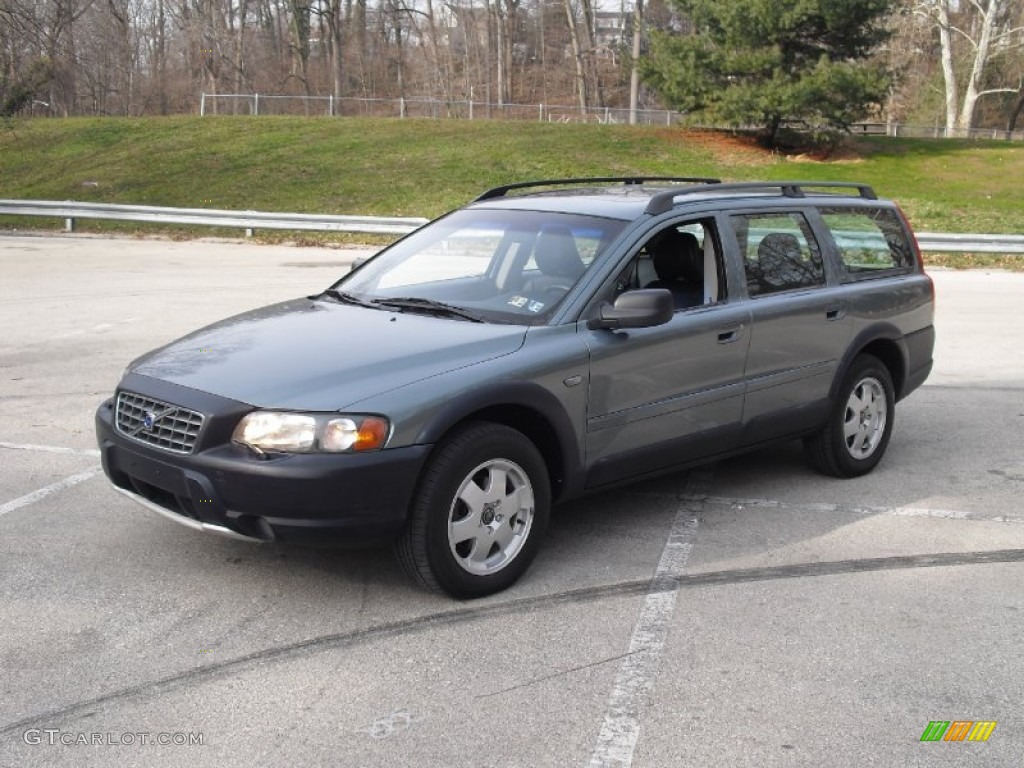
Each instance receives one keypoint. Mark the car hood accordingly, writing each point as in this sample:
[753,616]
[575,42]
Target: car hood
[322,356]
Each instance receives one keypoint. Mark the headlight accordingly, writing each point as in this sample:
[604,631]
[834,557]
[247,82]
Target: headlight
[278,432]
[346,434]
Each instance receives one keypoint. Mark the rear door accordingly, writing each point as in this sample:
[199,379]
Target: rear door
[799,323]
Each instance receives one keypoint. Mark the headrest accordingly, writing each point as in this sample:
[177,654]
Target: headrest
[677,256]
[556,254]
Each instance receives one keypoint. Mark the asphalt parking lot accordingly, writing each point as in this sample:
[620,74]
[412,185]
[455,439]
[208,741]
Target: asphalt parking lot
[750,613]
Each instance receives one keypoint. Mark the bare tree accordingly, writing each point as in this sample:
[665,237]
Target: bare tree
[333,14]
[500,49]
[634,72]
[577,57]
[300,17]
[45,32]
[590,54]
[987,30]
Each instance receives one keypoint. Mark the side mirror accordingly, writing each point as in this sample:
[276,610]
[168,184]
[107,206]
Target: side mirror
[358,262]
[636,309]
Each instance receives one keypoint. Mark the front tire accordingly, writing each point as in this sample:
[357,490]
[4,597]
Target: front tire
[479,514]
[857,432]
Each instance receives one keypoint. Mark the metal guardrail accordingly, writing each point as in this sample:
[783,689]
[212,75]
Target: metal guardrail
[937,242]
[250,221]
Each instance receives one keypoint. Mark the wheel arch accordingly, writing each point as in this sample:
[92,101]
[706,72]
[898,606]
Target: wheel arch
[885,342]
[527,408]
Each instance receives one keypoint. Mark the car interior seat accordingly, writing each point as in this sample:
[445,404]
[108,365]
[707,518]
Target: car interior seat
[679,264]
[780,266]
[558,261]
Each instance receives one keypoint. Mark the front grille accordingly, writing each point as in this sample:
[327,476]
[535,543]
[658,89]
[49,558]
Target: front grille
[166,426]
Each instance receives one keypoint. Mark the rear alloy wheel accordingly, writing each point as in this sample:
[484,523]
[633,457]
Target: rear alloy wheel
[856,435]
[479,514]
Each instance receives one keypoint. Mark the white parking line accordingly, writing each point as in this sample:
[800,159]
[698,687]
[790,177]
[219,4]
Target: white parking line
[949,514]
[620,730]
[42,493]
[49,449]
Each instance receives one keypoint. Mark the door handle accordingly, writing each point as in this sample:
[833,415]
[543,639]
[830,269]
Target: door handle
[730,335]
[835,313]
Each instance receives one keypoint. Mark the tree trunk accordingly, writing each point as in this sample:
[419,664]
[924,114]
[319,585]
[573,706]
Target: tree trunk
[62,54]
[240,77]
[965,121]
[335,28]
[300,31]
[442,73]
[509,19]
[577,55]
[948,71]
[634,75]
[123,25]
[1011,125]
[161,57]
[401,55]
[359,22]
[590,54]
[499,27]
[774,125]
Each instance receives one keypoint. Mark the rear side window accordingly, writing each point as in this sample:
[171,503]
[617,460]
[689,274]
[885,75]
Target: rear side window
[779,252]
[871,241]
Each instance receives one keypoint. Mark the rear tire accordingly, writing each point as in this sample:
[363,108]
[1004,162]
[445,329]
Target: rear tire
[857,432]
[479,514]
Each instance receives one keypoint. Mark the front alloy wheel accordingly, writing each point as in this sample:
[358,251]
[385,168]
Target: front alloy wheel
[491,517]
[479,513]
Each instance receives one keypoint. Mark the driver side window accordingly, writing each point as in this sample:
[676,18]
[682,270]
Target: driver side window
[685,259]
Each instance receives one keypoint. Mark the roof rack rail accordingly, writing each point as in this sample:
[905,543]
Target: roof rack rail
[503,190]
[662,202]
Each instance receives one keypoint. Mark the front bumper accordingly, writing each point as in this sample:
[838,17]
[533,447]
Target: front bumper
[352,498]
[181,519]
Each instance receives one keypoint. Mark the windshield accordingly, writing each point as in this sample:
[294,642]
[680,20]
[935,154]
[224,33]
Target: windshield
[495,265]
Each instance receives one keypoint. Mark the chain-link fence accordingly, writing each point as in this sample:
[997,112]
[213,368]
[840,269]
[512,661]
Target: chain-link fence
[262,104]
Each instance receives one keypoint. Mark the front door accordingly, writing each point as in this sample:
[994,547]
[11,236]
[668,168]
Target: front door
[671,394]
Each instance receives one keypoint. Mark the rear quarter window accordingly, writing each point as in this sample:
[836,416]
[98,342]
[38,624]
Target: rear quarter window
[871,241]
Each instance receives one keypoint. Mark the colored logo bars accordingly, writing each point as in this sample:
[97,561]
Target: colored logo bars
[958,730]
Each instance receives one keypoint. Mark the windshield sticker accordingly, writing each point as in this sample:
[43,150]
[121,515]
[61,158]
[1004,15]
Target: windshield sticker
[535,306]
[518,301]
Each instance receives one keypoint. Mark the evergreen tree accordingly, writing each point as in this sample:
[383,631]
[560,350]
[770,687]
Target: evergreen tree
[768,62]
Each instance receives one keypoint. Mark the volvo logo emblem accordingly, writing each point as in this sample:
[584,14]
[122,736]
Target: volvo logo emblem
[147,422]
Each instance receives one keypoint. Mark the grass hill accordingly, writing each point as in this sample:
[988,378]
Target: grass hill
[423,167]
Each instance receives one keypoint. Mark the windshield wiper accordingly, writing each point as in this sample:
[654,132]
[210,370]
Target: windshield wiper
[428,305]
[346,298]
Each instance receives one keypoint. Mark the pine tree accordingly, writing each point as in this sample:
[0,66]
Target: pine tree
[773,62]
